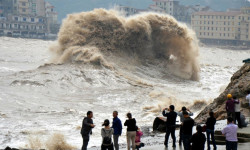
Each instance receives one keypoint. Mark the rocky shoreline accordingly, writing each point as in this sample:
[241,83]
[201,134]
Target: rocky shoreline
[239,85]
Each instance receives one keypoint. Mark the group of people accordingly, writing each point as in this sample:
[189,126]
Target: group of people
[233,110]
[107,132]
[190,141]
[198,139]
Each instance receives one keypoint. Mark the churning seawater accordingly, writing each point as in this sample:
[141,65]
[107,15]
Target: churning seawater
[41,94]
[38,101]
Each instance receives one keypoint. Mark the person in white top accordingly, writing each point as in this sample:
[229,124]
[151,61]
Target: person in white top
[237,111]
[248,97]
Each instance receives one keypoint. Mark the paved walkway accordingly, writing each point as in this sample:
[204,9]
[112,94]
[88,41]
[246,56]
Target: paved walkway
[245,130]
[241,146]
[244,146]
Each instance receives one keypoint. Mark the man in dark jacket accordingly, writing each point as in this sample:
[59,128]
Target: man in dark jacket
[170,124]
[117,126]
[210,123]
[198,139]
[87,125]
[187,126]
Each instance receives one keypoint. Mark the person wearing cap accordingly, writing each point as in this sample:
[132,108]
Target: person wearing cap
[87,125]
[180,114]
[131,131]
[107,133]
[230,106]
[230,132]
[198,139]
[117,126]
[170,124]
[188,124]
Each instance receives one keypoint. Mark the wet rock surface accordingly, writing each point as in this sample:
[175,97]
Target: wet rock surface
[239,85]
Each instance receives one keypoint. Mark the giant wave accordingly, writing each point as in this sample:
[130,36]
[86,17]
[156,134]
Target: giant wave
[104,37]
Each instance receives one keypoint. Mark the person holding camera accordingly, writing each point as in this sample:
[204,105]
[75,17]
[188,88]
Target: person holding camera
[170,124]
[180,114]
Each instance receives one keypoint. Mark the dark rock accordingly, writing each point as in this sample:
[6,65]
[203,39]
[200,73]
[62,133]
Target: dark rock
[239,85]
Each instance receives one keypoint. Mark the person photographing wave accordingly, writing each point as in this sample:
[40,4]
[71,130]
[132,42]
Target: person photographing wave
[87,126]
[180,114]
[170,124]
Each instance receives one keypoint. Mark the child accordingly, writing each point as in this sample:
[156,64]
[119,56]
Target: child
[138,143]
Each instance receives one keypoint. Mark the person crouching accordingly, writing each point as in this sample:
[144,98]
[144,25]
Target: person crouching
[138,142]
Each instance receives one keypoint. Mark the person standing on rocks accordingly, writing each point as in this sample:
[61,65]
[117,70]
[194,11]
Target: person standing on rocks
[230,131]
[131,131]
[198,139]
[237,111]
[188,124]
[180,114]
[170,124]
[248,98]
[210,130]
[87,126]
[117,126]
[230,106]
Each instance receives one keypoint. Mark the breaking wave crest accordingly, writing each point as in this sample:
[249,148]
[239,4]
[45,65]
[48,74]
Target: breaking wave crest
[56,141]
[106,38]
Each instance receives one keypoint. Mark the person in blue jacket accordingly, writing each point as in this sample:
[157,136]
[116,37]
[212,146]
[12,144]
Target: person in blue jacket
[117,126]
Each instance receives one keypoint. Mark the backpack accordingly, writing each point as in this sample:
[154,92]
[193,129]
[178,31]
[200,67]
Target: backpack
[107,140]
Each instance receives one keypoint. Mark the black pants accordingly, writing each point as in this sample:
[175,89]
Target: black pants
[109,147]
[170,130]
[186,141]
[180,135]
[231,145]
[237,117]
[85,142]
[139,146]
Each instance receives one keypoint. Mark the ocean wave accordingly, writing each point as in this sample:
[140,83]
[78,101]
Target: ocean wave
[103,37]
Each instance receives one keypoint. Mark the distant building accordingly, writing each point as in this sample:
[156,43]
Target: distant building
[168,6]
[231,27]
[23,7]
[51,16]
[5,7]
[37,7]
[185,12]
[28,18]
[128,11]
[24,26]
[155,8]
[179,12]
[15,7]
